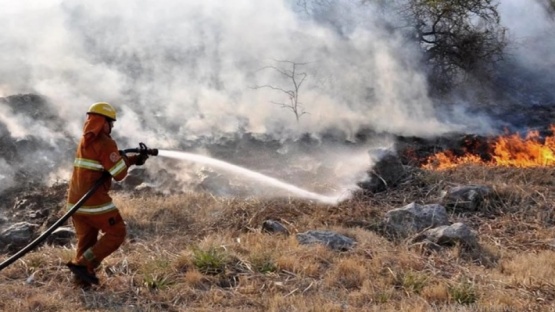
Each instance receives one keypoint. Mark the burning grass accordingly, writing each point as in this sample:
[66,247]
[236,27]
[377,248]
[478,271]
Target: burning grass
[197,252]
[509,150]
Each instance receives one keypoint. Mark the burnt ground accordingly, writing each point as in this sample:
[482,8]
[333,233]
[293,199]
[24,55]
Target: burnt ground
[33,203]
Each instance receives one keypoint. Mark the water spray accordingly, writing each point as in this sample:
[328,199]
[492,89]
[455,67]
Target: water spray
[298,192]
[144,150]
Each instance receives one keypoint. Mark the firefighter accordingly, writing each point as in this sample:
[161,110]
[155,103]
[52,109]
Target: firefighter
[97,153]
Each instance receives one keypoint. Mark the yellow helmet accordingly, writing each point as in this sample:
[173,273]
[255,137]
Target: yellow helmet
[104,109]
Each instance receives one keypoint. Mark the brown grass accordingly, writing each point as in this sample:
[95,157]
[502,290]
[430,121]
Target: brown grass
[197,252]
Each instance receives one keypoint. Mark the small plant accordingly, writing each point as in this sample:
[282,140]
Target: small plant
[410,282]
[463,293]
[414,282]
[382,297]
[156,281]
[263,264]
[211,261]
[35,261]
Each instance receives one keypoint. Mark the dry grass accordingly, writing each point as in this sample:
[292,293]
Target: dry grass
[197,252]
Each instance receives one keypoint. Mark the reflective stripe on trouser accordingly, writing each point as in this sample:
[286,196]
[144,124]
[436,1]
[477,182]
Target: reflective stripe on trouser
[90,249]
[94,209]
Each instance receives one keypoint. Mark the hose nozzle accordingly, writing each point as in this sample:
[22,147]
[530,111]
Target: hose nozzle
[142,149]
[149,151]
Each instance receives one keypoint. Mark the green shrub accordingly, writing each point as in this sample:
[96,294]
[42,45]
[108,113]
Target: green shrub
[414,282]
[211,261]
[156,281]
[463,292]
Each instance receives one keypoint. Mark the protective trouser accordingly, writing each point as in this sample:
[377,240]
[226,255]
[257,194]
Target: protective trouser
[90,249]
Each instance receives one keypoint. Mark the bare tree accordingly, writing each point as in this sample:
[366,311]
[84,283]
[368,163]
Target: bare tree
[296,78]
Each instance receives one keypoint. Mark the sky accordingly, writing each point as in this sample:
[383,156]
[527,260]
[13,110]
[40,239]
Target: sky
[181,71]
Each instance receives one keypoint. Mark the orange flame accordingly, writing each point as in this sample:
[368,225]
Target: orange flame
[507,150]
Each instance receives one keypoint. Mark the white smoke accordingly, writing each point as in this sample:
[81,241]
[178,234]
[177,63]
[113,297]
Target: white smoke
[190,70]
[531,33]
[6,175]
[194,63]
[21,126]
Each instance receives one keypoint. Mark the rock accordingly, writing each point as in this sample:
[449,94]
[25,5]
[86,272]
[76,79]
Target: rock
[271,226]
[448,235]
[468,197]
[61,236]
[386,172]
[414,218]
[17,235]
[331,239]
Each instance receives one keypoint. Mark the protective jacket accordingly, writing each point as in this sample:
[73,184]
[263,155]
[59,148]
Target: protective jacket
[97,152]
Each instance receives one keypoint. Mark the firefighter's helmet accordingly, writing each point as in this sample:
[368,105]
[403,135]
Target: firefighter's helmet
[104,109]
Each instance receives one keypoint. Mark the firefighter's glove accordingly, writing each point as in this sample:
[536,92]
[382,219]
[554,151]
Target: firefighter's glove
[141,159]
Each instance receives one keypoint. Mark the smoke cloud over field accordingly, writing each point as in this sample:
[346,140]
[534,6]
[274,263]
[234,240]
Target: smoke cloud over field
[193,66]
[185,71]
[531,31]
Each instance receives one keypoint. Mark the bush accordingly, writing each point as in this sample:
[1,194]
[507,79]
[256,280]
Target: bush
[211,261]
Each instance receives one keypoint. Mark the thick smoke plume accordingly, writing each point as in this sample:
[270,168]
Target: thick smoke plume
[190,67]
[184,73]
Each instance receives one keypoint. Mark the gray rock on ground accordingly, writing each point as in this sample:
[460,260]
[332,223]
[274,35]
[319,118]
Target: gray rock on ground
[331,239]
[413,218]
[387,171]
[17,235]
[448,235]
[465,197]
[272,226]
[61,236]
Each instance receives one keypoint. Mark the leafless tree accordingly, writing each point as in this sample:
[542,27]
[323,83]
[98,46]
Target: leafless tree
[296,78]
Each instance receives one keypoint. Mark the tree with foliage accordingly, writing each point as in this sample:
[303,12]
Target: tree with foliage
[459,37]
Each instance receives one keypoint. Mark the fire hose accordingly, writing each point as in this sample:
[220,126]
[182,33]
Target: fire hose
[142,149]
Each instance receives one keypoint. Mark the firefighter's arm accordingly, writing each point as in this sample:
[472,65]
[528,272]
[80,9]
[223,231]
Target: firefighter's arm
[116,164]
